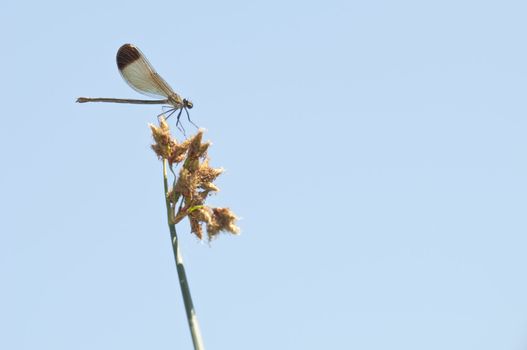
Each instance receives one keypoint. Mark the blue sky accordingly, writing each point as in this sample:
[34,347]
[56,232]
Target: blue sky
[375,152]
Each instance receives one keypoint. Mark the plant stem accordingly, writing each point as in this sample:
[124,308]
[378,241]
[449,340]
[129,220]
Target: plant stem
[183,283]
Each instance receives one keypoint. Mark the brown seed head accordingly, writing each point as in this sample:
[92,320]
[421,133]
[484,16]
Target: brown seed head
[163,140]
[197,149]
[178,152]
[186,183]
[195,174]
[206,176]
[195,227]
[223,219]
[166,146]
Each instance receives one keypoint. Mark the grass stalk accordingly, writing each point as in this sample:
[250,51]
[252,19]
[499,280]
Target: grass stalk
[183,282]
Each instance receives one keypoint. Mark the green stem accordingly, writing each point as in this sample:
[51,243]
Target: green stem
[183,282]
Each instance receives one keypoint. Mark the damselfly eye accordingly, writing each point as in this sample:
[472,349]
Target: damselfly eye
[188,104]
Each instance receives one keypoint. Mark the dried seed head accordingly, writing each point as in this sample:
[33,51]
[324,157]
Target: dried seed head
[186,183]
[163,140]
[209,187]
[201,213]
[223,219]
[197,149]
[195,227]
[166,146]
[191,164]
[203,148]
[194,183]
[206,175]
[177,154]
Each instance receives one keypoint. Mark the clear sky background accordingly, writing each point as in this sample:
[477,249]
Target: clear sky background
[375,151]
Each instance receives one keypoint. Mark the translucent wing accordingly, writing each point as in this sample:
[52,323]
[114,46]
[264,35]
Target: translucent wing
[139,73]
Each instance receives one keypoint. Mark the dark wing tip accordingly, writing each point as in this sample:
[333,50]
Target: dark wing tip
[126,55]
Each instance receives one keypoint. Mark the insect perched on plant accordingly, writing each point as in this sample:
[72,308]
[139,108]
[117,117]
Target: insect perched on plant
[143,78]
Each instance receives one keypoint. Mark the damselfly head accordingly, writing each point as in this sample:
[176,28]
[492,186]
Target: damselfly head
[187,103]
